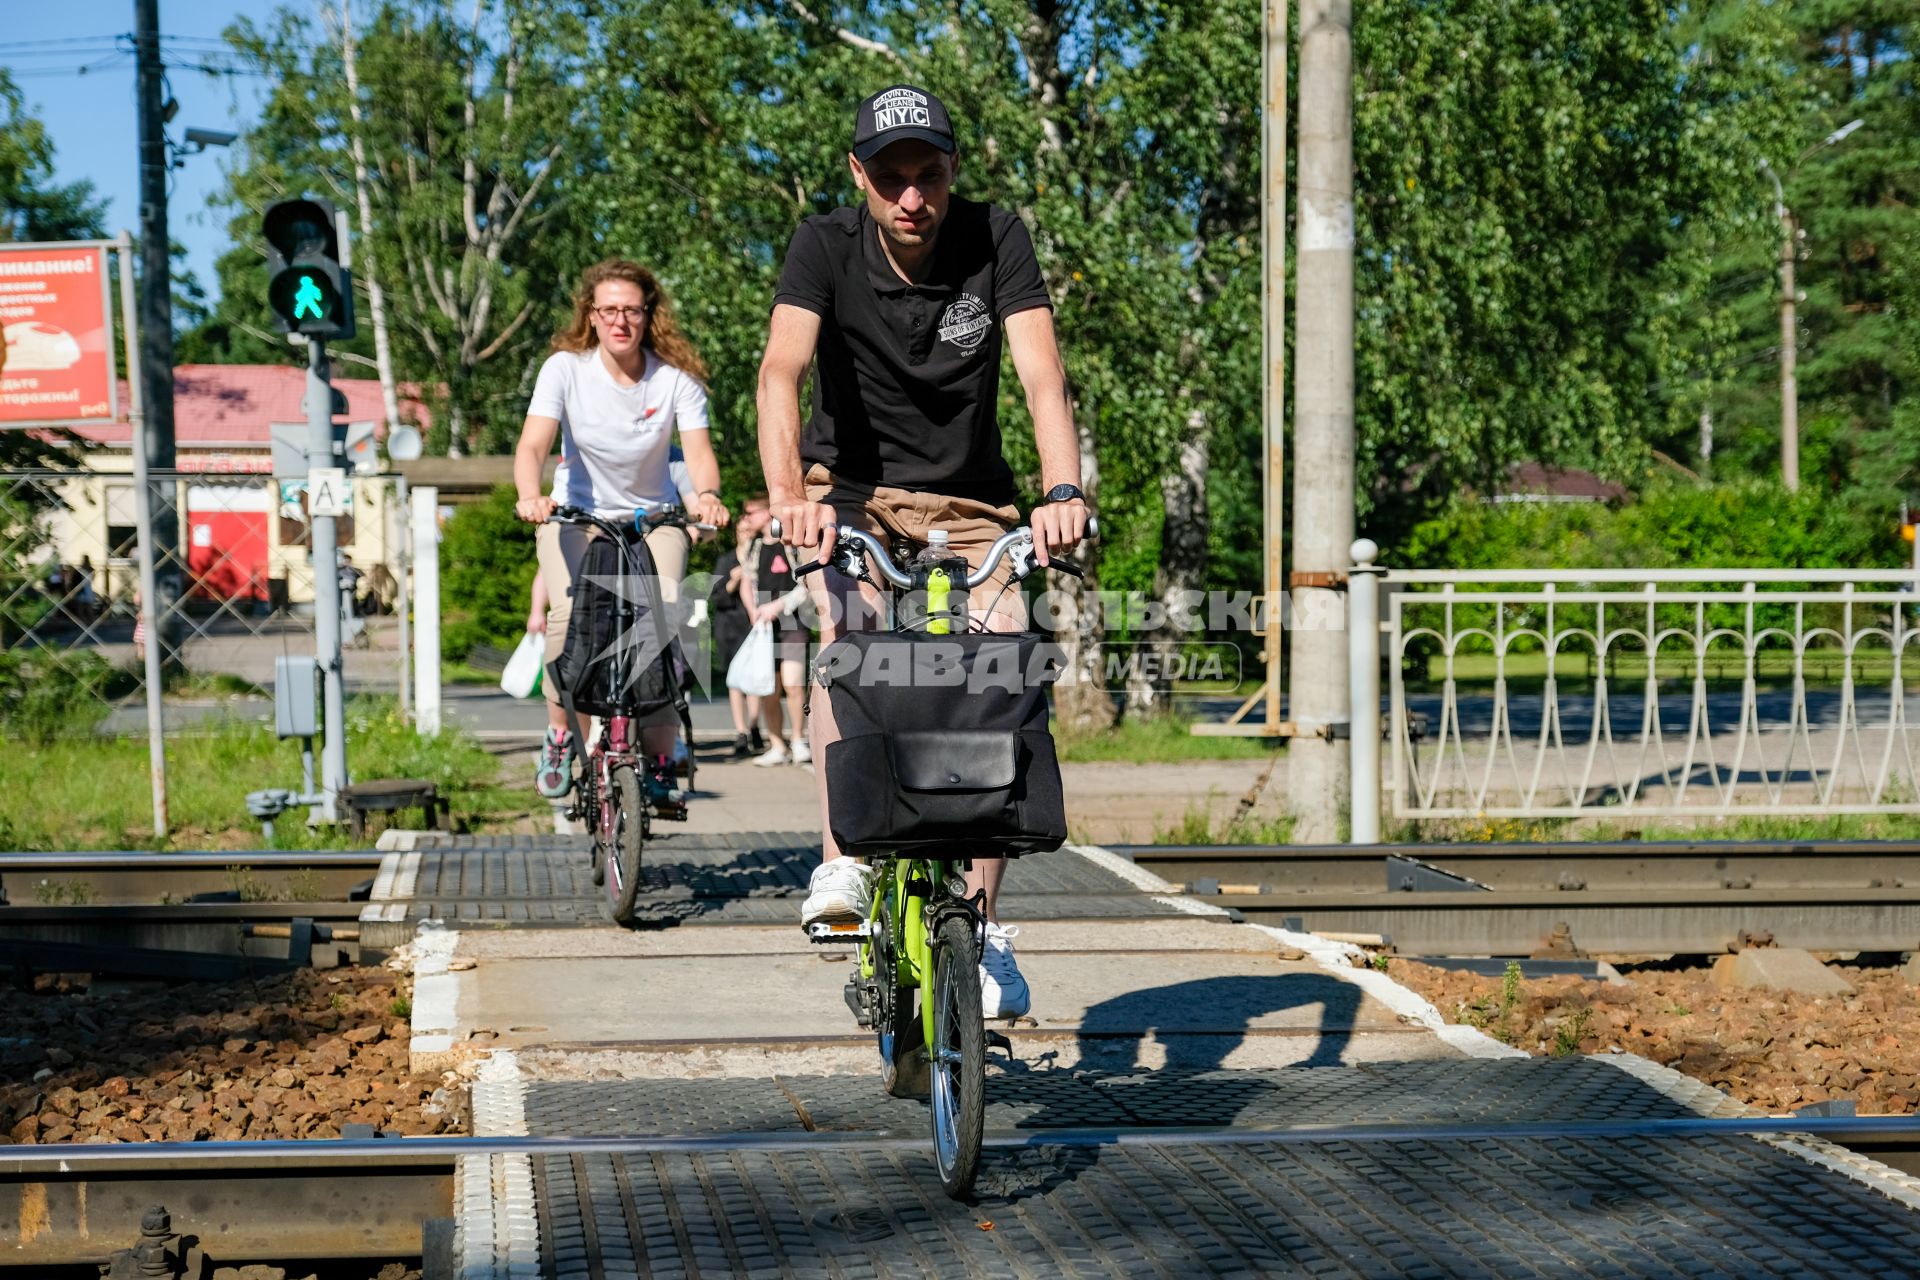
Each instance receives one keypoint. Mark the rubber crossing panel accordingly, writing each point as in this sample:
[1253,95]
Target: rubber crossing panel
[1703,1207]
[733,878]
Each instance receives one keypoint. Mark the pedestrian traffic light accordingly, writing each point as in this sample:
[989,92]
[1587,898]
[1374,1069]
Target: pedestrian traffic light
[308,288]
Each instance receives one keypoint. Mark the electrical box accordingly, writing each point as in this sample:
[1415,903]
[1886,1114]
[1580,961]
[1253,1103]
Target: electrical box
[296,697]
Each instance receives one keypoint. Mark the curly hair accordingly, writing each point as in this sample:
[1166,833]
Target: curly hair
[663,336]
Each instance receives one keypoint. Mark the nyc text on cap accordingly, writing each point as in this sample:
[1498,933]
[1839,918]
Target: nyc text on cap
[900,111]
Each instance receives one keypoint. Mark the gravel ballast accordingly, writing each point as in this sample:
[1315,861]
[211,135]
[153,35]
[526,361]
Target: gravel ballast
[1772,1050]
[292,1056]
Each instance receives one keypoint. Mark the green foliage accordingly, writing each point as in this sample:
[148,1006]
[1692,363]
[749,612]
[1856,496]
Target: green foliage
[91,793]
[1156,740]
[1571,1031]
[1197,826]
[1751,524]
[47,694]
[487,568]
[1565,244]
[1851,203]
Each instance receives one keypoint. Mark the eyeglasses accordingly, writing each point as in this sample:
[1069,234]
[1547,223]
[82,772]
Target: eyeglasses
[629,314]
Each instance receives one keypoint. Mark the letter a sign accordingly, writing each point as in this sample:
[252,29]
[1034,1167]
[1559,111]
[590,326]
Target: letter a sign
[327,492]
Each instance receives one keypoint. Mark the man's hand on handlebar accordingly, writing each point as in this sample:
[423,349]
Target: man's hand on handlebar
[807,524]
[1057,526]
[534,510]
[708,509]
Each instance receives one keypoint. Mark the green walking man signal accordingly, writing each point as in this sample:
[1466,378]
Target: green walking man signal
[309,286]
[307,298]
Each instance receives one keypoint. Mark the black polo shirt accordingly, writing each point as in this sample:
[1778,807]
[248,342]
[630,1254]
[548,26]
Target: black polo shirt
[907,376]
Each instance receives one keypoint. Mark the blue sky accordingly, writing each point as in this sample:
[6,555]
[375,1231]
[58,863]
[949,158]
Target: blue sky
[43,43]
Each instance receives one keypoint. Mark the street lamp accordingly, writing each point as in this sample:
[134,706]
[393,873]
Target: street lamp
[1789,324]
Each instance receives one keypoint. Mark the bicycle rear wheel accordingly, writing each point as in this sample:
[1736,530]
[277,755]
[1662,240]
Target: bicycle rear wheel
[627,836]
[959,1056]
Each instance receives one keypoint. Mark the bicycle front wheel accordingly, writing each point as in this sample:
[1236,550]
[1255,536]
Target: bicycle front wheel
[627,836]
[959,1056]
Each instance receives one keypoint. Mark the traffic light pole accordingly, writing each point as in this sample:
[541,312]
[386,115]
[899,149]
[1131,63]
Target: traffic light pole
[155,369]
[326,587]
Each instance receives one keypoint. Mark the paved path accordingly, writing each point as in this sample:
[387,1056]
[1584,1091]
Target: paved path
[1191,1096]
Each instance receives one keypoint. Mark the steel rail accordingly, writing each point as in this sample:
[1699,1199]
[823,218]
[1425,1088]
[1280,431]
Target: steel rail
[1614,922]
[388,1198]
[129,877]
[344,1157]
[1672,866]
[174,913]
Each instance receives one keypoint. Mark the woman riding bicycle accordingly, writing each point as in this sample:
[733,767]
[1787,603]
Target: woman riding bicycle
[621,383]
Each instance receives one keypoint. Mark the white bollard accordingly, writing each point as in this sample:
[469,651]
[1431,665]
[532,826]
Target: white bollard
[1363,656]
[426,606]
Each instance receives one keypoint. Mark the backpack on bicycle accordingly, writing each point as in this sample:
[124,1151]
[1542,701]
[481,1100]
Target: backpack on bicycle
[622,654]
[943,744]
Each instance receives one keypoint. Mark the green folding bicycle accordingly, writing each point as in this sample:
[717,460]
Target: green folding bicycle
[915,982]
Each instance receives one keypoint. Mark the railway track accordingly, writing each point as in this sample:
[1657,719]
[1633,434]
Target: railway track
[49,879]
[1527,899]
[206,915]
[393,1199]
[1665,866]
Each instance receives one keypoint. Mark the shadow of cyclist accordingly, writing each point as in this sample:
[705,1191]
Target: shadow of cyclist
[1156,1058]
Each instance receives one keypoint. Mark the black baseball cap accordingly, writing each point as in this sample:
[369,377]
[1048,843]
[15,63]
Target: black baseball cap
[896,112]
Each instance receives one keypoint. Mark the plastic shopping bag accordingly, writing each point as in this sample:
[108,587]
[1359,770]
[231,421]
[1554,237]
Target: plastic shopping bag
[526,667]
[751,671]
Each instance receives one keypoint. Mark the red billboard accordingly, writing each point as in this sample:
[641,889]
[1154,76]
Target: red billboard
[59,336]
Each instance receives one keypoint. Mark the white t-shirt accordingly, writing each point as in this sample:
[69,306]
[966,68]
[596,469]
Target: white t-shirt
[616,441]
[676,467]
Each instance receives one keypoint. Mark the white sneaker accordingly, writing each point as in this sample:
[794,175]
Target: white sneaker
[839,890]
[802,754]
[1003,991]
[775,754]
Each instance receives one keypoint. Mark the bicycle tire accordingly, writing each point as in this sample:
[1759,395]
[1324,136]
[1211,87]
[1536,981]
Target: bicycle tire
[959,1068]
[627,822]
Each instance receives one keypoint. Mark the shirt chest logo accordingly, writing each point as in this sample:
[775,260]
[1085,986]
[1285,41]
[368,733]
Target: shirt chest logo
[965,323]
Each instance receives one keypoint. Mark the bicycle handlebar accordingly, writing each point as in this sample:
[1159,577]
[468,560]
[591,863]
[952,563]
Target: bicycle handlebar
[643,518]
[1015,543]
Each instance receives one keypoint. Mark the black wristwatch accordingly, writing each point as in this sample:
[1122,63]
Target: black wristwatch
[1064,493]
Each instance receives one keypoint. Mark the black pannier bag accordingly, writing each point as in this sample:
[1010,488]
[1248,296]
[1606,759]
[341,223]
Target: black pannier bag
[598,646]
[944,746]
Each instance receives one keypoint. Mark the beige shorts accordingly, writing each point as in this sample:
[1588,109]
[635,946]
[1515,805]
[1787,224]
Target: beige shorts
[971,530]
[668,546]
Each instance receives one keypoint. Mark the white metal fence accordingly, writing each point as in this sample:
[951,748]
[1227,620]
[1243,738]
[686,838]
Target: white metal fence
[1699,692]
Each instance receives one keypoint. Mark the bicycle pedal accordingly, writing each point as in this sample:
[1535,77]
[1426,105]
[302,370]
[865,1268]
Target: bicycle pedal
[825,931]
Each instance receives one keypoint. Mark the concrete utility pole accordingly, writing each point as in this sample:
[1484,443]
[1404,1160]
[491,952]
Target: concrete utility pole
[1273,398]
[156,313]
[1323,518]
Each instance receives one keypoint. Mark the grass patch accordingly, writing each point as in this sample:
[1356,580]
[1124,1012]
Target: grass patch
[1495,1016]
[1160,740]
[1198,826]
[91,793]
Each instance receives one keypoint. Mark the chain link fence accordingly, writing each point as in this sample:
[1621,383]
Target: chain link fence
[237,544]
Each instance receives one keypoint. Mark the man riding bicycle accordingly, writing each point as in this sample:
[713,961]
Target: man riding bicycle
[902,302]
